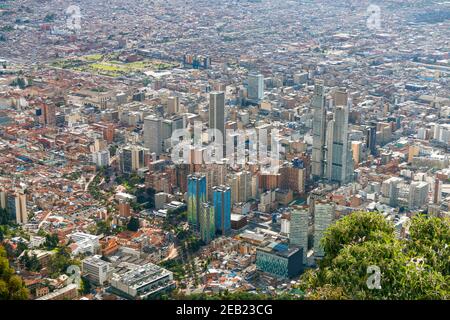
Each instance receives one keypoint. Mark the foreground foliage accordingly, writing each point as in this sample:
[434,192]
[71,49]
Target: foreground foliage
[11,285]
[414,268]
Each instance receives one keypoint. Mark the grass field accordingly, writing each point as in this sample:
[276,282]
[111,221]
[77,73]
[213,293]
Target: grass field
[109,65]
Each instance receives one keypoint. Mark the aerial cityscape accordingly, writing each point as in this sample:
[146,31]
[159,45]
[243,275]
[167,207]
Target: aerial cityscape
[224,150]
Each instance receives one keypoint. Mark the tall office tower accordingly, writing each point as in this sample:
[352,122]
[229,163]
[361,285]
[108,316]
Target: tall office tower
[255,89]
[393,194]
[49,113]
[101,158]
[341,159]
[328,167]
[418,194]
[233,182]
[437,191]
[319,129]
[298,234]
[166,129]
[196,197]
[356,151]
[108,133]
[125,160]
[323,218]
[178,122]
[132,158]
[21,208]
[371,138]
[138,157]
[293,178]
[207,222]
[3,199]
[16,206]
[244,186]
[222,208]
[153,134]
[217,112]
[173,105]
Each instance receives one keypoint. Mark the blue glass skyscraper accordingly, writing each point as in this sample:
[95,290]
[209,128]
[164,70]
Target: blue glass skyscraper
[207,227]
[196,197]
[222,208]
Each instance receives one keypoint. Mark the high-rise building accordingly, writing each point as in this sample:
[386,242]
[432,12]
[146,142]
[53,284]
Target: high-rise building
[390,191]
[319,131]
[292,177]
[437,191]
[371,138]
[153,134]
[207,222]
[244,186]
[132,158]
[255,88]
[108,133]
[3,199]
[356,152]
[418,194]
[196,197]
[298,233]
[49,114]
[101,158]
[16,206]
[222,208]
[323,218]
[217,112]
[233,182]
[339,159]
[173,105]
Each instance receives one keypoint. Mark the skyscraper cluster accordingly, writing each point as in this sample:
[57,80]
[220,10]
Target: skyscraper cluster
[208,218]
[332,158]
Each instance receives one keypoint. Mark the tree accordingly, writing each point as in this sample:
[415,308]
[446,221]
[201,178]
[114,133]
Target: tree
[4,217]
[51,241]
[112,150]
[430,239]
[133,224]
[104,227]
[85,286]
[353,229]
[34,264]
[60,261]
[11,285]
[363,241]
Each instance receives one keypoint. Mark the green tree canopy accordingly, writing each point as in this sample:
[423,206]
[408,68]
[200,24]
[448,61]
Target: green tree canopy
[414,268]
[11,285]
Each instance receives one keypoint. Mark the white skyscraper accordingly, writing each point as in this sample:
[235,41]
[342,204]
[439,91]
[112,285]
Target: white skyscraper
[319,130]
[418,194]
[217,112]
[339,156]
[153,134]
[101,158]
